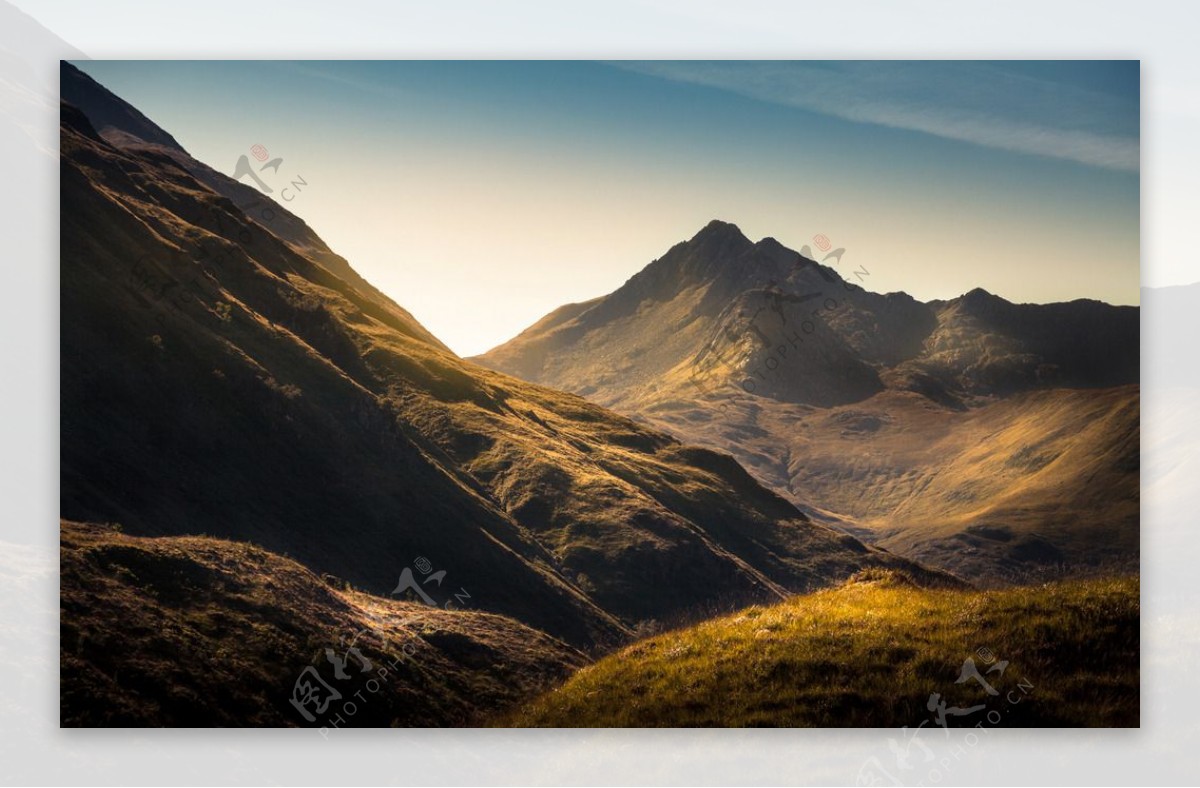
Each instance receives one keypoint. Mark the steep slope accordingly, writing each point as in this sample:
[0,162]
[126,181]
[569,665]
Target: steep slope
[190,631]
[877,652]
[868,410]
[108,115]
[211,392]
[219,380]
[123,126]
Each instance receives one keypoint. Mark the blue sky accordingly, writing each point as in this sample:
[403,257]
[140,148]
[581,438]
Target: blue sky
[481,195]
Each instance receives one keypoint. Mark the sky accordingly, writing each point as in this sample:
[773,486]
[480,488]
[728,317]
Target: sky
[481,195]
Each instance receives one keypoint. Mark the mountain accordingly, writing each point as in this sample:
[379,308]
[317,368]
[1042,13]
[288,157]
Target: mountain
[232,379]
[877,652]
[996,440]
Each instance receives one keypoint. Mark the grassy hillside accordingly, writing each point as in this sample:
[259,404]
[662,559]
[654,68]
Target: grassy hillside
[192,631]
[871,653]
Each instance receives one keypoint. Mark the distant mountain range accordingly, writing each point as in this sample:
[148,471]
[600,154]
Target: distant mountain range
[994,439]
[232,378]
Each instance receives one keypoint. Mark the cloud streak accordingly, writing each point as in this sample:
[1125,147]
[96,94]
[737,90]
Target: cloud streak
[967,102]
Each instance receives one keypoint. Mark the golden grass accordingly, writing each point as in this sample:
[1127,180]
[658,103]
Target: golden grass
[871,653]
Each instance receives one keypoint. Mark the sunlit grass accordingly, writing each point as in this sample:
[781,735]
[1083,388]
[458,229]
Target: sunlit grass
[871,653]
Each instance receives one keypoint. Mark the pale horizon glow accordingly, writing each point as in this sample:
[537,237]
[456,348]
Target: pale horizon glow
[481,196]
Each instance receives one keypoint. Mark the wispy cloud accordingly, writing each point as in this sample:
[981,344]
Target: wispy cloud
[968,102]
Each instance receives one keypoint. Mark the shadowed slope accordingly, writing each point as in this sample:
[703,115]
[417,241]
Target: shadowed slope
[190,631]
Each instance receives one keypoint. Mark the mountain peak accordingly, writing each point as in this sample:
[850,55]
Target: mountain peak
[980,298]
[711,250]
[717,229]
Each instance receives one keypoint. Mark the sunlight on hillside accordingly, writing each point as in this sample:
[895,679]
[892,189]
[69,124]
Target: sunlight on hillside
[872,653]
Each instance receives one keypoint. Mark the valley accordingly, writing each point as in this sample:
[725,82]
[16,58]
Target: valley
[266,462]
